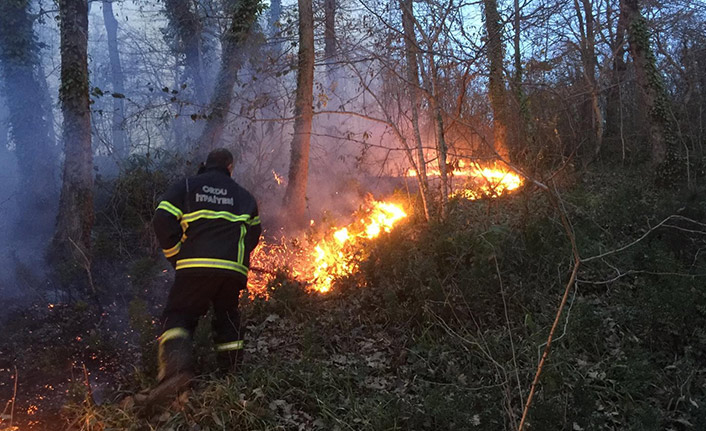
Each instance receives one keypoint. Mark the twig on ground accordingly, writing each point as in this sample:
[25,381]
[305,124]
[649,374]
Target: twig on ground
[14,398]
[87,382]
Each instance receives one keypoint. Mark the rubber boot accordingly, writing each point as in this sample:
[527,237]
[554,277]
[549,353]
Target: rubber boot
[175,371]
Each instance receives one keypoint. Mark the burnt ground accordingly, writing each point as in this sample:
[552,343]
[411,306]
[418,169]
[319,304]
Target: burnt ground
[50,354]
[54,353]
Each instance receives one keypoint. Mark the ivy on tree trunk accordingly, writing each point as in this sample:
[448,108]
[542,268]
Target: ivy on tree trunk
[662,136]
[75,219]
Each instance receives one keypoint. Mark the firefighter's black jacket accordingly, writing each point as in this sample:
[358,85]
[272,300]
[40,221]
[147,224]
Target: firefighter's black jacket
[208,224]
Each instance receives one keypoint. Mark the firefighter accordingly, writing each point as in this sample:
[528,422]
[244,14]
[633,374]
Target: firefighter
[207,226]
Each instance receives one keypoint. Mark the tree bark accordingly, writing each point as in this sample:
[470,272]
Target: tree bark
[522,130]
[584,15]
[496,81]
[441,147]
[274,25]
[244,13]
[120,146]
[29,117]
[614,105]
[187,25]
[329,33]
[412,72]
[75,218]
[295,195]
[663,140]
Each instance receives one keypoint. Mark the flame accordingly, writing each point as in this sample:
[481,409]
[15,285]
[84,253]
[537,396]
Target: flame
[479,181]
[337,254]
[489,181]
[318,263]
[319,260]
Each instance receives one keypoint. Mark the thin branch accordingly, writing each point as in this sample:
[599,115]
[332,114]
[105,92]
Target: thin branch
[87,266]
[555,200]
[645,235]
[571,282]
[512,342]
[633,272]
[14,398]
[89,390]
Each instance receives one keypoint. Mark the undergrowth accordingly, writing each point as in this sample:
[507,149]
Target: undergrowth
[443,327]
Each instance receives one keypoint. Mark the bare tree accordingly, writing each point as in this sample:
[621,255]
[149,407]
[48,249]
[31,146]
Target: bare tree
[412,73]
[587,42]
[244,14]
[523,124]
[274,25]
[614,125]
[330,32]
[120,146]
[187,25]
[496,79]
[295,196]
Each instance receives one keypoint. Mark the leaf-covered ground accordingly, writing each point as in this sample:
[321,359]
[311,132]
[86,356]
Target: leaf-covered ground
[442,329]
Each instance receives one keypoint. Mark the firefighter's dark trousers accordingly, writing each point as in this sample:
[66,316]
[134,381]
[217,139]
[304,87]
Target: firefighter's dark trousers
[189,299]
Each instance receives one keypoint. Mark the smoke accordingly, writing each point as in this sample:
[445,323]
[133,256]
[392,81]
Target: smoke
[28,162]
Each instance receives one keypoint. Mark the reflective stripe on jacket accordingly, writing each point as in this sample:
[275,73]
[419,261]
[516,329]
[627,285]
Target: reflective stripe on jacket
[208,224]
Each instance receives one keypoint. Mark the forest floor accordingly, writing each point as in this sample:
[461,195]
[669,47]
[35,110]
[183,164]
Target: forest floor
[442,328]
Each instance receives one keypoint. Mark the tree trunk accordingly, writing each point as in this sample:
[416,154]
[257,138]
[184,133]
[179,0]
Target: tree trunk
[614,105]
[29,117]
[522,130]
[496,82]
[329,33]
[245,13]
[588,58]
[412,72]
[662,137]
[120,147]
[295,195]
[75,218]
[4,128]
[441,147]
[187,25]
[274,25]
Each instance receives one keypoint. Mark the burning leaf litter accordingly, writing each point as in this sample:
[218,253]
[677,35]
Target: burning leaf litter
[336,253]
[318,262]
